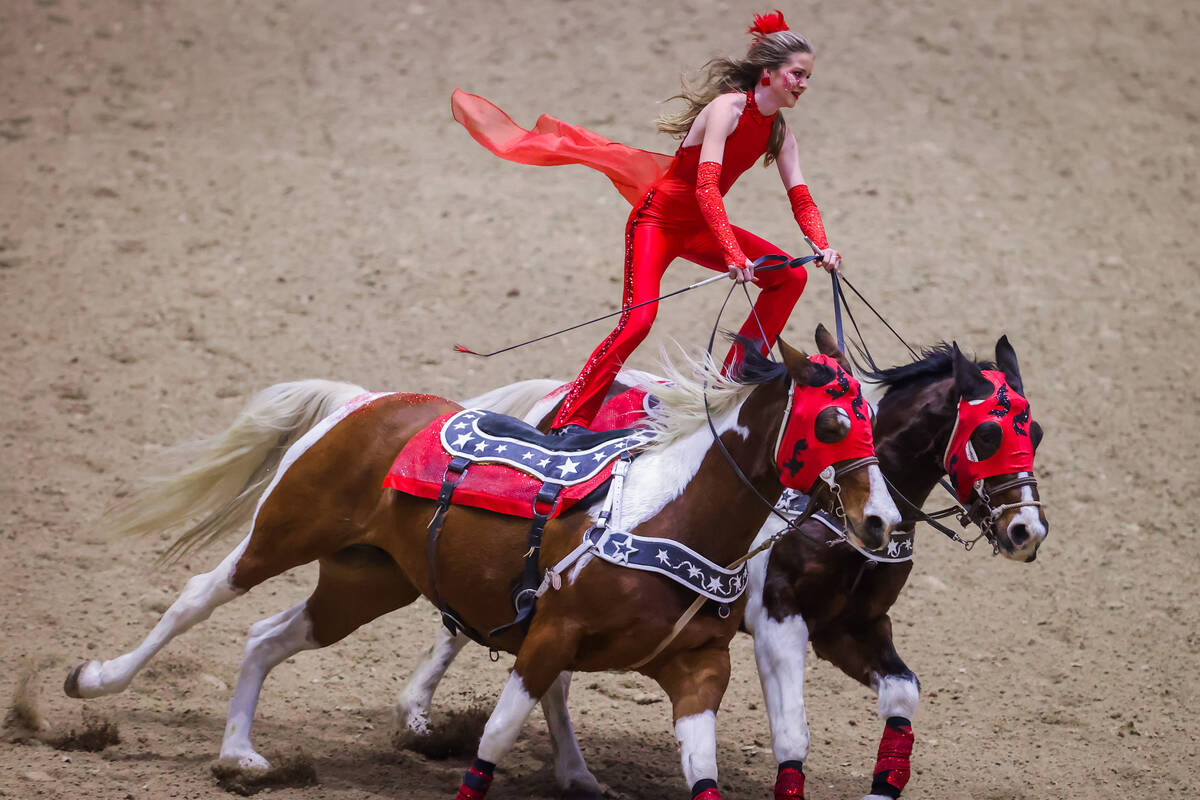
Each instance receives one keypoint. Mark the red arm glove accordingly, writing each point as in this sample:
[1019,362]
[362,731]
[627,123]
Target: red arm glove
[708,195]
[807,216]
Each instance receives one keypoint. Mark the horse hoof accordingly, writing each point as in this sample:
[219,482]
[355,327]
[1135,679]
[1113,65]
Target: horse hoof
[582,790]
[247,762]
[71,684]
[419,724]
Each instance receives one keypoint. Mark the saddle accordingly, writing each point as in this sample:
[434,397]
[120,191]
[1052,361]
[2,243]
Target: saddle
[482,459]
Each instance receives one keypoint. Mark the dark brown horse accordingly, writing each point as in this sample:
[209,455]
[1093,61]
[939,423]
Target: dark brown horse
[835,597]
[325,502]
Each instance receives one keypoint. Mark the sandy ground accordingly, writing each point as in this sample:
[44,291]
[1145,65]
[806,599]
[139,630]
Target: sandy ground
[200,199]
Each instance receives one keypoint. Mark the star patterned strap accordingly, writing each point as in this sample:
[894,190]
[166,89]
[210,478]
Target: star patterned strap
[900,545]
[676,561]
[462,435]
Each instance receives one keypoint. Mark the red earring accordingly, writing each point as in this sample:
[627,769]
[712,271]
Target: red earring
[765,81]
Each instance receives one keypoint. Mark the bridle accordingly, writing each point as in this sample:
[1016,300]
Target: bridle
[829,481]
[980,512]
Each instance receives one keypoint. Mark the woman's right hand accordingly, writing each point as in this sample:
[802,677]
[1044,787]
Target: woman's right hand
[743,274]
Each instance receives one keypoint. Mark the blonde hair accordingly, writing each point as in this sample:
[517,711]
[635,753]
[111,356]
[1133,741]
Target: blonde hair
[722,75]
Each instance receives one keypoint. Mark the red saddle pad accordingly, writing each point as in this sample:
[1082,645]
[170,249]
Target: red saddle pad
[421,466]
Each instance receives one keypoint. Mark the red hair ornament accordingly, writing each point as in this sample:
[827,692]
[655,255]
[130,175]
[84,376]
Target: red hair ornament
[767,23]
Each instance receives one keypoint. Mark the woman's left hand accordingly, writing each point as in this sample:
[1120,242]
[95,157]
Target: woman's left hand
[831,260]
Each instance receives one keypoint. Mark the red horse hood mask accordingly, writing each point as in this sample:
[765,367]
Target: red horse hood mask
[801,455]
[1010,411]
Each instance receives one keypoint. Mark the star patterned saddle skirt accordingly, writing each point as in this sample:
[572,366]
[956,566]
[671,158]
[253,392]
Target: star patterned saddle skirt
[506,463]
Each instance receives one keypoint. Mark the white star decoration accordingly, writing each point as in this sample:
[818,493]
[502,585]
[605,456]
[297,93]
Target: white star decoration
[528,455]
[480,447]
[460,426]
[694,571]
[501,448]
[462,439]
[600,456]
[543,462]
[714,585]
[623,550]
[568,467]
[663,558]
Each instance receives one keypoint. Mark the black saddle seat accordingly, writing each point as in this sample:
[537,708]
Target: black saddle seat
[568,442]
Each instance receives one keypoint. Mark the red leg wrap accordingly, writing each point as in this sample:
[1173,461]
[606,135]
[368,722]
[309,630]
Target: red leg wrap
[474,786]
[708,794]
[789,784]
[895,750]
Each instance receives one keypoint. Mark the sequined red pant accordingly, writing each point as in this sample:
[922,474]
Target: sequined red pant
[651,244]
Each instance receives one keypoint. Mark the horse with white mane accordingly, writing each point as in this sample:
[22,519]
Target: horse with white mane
[325,501]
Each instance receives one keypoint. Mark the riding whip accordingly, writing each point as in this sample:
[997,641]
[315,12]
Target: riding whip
[773,262]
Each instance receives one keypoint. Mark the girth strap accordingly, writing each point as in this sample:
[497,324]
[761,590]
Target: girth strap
[525,590]
[454,474]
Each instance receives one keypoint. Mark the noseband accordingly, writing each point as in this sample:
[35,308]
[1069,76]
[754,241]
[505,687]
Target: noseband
[984,514]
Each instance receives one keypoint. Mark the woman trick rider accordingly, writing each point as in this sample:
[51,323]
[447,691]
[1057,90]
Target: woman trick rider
[731,121]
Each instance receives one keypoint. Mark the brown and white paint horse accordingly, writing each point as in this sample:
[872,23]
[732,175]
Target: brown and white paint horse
[325,502]
[804,590]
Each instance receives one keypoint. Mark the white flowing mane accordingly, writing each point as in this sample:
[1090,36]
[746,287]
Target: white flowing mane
[681,407]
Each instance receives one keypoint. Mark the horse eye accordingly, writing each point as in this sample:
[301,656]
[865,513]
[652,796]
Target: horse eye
[833,425]
[985,441]
[1035,433]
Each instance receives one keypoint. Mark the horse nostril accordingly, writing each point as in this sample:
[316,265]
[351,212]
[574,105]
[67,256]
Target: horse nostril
[1019,534]
[873,527]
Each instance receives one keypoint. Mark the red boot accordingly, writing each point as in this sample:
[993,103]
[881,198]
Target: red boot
[476,782]
[789,783]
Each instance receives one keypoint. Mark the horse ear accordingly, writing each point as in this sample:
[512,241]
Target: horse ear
[968,378]
[796,361]
[1006,360]
[827,346]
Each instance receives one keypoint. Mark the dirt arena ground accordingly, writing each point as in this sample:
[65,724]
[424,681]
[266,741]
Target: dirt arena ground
[200,199]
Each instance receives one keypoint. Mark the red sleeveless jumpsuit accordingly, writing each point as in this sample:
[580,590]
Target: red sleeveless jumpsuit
[666,223]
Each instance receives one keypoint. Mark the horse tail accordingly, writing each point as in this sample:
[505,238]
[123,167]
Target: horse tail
[221,477]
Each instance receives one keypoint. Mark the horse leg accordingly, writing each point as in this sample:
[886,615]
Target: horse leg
[570,770]
[412,704]
[546,649]
[201,595]
[780,648]
[695,680]
[868,655]
[270,641]
[346,597]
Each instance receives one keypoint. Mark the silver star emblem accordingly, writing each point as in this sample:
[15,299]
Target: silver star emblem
[463,439]
[714,585]
[694,571]
[664,558]
[568,467]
